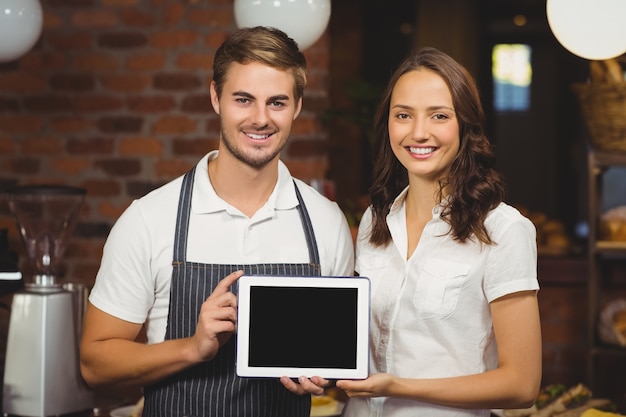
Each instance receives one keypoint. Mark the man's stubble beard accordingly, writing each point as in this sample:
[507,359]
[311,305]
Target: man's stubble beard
[258,162]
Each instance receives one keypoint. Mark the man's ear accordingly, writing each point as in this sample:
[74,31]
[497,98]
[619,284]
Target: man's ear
[298,108]
[215,100]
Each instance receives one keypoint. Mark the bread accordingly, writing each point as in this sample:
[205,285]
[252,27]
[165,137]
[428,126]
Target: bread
[552,226]
[323,405]
[613,224]
[612,322]
[619,322]
[613,230]
[572,396]
[578,411]
[555,401]
[593,412]
[552,238]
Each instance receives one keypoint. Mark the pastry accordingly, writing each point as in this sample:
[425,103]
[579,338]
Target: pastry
[323,405]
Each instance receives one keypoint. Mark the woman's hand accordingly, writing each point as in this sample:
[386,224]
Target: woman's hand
[376,385]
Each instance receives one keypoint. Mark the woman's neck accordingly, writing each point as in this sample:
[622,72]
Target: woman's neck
[420,200]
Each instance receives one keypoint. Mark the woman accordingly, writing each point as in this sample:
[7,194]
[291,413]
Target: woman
[455,325]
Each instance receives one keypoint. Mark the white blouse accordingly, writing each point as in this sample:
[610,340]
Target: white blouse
[430,314]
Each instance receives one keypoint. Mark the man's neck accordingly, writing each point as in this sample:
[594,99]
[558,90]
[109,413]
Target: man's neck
[242,186]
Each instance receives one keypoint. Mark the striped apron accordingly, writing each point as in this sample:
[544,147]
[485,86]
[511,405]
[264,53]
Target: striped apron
[212,389]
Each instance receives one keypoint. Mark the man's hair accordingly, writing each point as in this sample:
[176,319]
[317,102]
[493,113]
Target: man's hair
[265,45]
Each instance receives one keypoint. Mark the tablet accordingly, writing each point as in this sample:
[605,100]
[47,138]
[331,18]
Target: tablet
[294,326]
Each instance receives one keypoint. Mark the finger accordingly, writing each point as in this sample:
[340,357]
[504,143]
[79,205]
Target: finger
[230,279]
[223,326]
[291,385]
[223,307]
[227,281]
[223,314]
[343,384]
[351,388]
[226,300]
[220,300]
[310,386]
[321,382]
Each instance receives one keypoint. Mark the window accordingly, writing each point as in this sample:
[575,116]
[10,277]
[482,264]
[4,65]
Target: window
[512,75]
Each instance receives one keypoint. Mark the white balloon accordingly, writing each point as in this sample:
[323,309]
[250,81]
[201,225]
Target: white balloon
[303,20]
[591,29]
[20,26]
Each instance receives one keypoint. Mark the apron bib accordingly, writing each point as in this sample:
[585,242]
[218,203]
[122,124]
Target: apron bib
[212,389]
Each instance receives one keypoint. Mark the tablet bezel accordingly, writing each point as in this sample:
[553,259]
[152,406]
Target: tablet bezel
[362,284]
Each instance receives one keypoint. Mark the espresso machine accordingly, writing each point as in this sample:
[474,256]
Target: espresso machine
[42,374]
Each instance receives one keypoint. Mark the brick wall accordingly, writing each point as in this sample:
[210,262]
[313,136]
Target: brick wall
[114,98]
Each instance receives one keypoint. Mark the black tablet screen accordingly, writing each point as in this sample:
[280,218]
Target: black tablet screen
[303,327]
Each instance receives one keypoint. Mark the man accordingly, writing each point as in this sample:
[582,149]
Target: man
[172,257]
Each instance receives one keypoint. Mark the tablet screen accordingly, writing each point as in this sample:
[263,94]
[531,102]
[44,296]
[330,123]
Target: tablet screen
[312,326]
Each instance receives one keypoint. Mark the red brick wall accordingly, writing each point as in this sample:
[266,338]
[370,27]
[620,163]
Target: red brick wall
[114,98]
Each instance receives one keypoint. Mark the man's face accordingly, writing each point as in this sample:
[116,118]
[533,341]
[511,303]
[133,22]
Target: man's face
[257,108]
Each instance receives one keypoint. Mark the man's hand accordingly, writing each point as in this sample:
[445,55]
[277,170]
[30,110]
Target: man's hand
[314,386]
[217,320]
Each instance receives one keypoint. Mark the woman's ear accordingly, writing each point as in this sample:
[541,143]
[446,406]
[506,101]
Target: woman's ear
[215,100]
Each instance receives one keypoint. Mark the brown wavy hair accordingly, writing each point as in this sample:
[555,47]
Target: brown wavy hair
[474,186]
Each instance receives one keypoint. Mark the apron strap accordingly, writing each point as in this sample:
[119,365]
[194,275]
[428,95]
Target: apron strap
[314,255]
[182,219]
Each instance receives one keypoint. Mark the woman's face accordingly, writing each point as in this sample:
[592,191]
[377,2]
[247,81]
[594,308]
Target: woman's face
[423,128]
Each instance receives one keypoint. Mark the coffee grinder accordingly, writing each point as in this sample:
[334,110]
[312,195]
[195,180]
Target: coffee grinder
[42,374]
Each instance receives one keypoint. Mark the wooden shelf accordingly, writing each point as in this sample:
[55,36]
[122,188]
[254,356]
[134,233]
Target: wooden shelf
[607,159]
[601,254]
[604,349]
[610,246]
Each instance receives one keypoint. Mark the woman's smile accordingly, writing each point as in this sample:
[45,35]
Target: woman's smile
[422,151]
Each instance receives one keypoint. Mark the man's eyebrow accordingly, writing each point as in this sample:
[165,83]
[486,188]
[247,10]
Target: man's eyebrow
[242,94]
[278,97]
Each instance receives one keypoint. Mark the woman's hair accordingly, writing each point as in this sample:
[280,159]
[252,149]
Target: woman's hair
[266,45]
[473,186]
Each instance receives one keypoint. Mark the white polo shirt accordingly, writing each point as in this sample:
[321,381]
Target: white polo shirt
[430,313]
[133,282]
